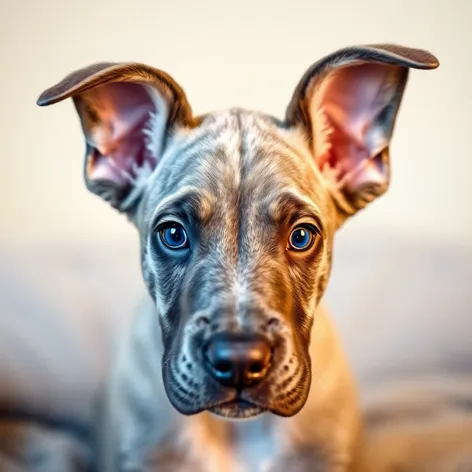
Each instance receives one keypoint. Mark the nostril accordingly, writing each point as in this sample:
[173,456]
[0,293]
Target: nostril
[223,367]
[256,368]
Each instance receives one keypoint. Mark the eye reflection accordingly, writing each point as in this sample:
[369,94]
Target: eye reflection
[301,238]
[174,236]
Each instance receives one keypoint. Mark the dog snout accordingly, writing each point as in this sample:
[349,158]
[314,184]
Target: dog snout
[238,360]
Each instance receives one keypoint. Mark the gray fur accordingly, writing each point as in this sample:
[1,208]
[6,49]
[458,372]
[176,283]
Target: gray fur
[238,181]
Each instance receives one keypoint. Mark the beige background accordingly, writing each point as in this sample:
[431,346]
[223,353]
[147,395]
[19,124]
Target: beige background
[247,53]
[402,309]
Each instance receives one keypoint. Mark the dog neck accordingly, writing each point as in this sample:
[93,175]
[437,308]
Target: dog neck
[231,445]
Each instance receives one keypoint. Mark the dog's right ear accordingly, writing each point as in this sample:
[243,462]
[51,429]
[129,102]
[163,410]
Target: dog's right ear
[127,112]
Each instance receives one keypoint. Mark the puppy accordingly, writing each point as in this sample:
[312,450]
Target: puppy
[236,213]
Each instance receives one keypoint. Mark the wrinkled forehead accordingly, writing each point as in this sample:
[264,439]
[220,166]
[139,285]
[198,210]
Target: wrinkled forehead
[237,159]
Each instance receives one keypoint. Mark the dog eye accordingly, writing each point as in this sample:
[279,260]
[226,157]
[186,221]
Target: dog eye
[301,238]
[174,236]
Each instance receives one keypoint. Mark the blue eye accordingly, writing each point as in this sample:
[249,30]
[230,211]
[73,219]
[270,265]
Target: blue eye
[301,238]
[174,236]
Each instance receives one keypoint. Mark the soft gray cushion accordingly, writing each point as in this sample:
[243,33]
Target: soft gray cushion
[61,308]
[403,307]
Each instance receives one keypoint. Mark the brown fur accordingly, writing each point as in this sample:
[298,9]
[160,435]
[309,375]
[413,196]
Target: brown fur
[238,183]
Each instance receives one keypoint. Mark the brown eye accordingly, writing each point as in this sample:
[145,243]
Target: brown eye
[301,238]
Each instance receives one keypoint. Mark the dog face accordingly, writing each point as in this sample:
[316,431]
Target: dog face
[237,211]
[250,221]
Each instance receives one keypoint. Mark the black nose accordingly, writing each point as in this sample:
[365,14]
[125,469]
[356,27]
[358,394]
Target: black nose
[238,360]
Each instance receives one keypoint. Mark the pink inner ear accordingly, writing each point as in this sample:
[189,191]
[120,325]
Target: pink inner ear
[120,124]
[346,135]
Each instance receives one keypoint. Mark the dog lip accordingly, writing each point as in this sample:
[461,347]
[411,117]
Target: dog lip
[237,409]
[239,402]
[244,404]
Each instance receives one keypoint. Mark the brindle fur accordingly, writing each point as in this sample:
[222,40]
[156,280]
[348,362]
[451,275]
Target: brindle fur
[238,180]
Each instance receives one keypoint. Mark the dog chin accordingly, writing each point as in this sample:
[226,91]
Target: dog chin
[237,410]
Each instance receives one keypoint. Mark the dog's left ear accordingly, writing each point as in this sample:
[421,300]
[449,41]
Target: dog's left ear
[347,103]
[127,112]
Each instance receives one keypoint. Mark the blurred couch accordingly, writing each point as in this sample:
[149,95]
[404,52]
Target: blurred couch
[403,309]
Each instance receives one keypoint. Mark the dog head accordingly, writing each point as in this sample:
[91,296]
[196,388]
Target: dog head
[237,210]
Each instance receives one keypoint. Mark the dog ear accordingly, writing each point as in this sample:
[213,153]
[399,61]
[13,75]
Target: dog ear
[126,112]
[348,103]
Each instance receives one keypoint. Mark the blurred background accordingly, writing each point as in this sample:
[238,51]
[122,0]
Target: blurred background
[69,265]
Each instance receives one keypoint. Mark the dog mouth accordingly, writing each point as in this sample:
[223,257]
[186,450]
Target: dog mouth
[282,393]
[237,409]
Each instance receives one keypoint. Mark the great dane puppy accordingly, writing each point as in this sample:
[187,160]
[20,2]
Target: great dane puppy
[236,212]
